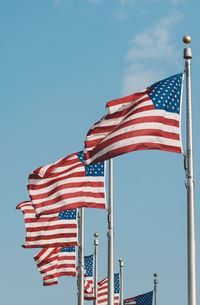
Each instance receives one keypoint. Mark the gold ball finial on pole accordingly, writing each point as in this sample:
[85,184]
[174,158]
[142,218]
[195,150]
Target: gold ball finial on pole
[120,260]
[187,39]
[155,274]
[96,234]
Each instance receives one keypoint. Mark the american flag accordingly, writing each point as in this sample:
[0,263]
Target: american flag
[103,291]
[88,278]
[143,299]
[55,262]
[54,230]
[146,120]
[67,184]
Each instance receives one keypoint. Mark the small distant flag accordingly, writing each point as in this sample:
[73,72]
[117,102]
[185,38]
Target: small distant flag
[103,291]
[145,120]
[55,262]
[67,184]
[88,278]
[143,299]
[54,230]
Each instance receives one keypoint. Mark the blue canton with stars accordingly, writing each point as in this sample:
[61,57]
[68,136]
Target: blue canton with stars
[68,249]
[116,283]
[93,169]
[68,214]
[166,94]
[145,299]
[88,261]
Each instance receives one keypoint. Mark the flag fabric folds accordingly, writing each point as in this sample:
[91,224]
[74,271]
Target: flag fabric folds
[67,184]
[54,230]
[143,299]
[103,290]
[88,278]
[149,119]
[55,262]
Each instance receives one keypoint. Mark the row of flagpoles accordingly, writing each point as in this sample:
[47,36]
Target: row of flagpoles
[149,119]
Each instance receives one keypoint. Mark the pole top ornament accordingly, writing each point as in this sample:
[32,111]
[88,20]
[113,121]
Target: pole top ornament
[187,39]
[155,274]
[120,260]
[96,234]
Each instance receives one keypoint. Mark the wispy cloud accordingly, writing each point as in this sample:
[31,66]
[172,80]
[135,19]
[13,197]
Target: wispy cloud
[123,6]
[175,2]
[149,52]
[57,2]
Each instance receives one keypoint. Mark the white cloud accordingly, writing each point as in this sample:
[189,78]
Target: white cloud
[149,50]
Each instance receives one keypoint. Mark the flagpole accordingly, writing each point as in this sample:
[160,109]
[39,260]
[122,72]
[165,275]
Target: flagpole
[110,238]
[155,288]
[121,266]
[96,243]
[190,180]
[81,258]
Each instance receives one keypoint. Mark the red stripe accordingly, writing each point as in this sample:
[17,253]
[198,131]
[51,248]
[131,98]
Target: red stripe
[67,186]
[121,114]
[133,134]
[50,227]
[54,251]
[74,205]
[50,283]
[46,245]
[49,237]
[46,184]
[68,196]
[127,99]
[140,146]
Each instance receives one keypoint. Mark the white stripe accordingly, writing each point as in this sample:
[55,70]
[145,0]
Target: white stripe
[146,113]
[51,232]
[77,181]
[43,256]
[136,140]
[122,106]
[50,241]
[69,201]
[51,223]
[143,126]
[46,180]
[44,168]
[70,191]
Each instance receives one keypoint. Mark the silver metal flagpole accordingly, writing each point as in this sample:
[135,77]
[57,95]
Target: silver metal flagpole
[155,288]
[96,243]
[110,238]
[190,180]
[121,266]
[81,258]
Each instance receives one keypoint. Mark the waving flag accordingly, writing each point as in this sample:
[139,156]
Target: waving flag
[143,299]
[146,120]
[67,184]
[103,291]
[88,279]
[55,262]
[54,230]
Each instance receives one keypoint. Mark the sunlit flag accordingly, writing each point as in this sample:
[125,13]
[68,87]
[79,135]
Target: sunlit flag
[67,184]
[143,299]
[149,119]
[55,262]
[103,291]
[54,230]
[88,278]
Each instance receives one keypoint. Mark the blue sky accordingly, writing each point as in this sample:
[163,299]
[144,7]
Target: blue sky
[61,61]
